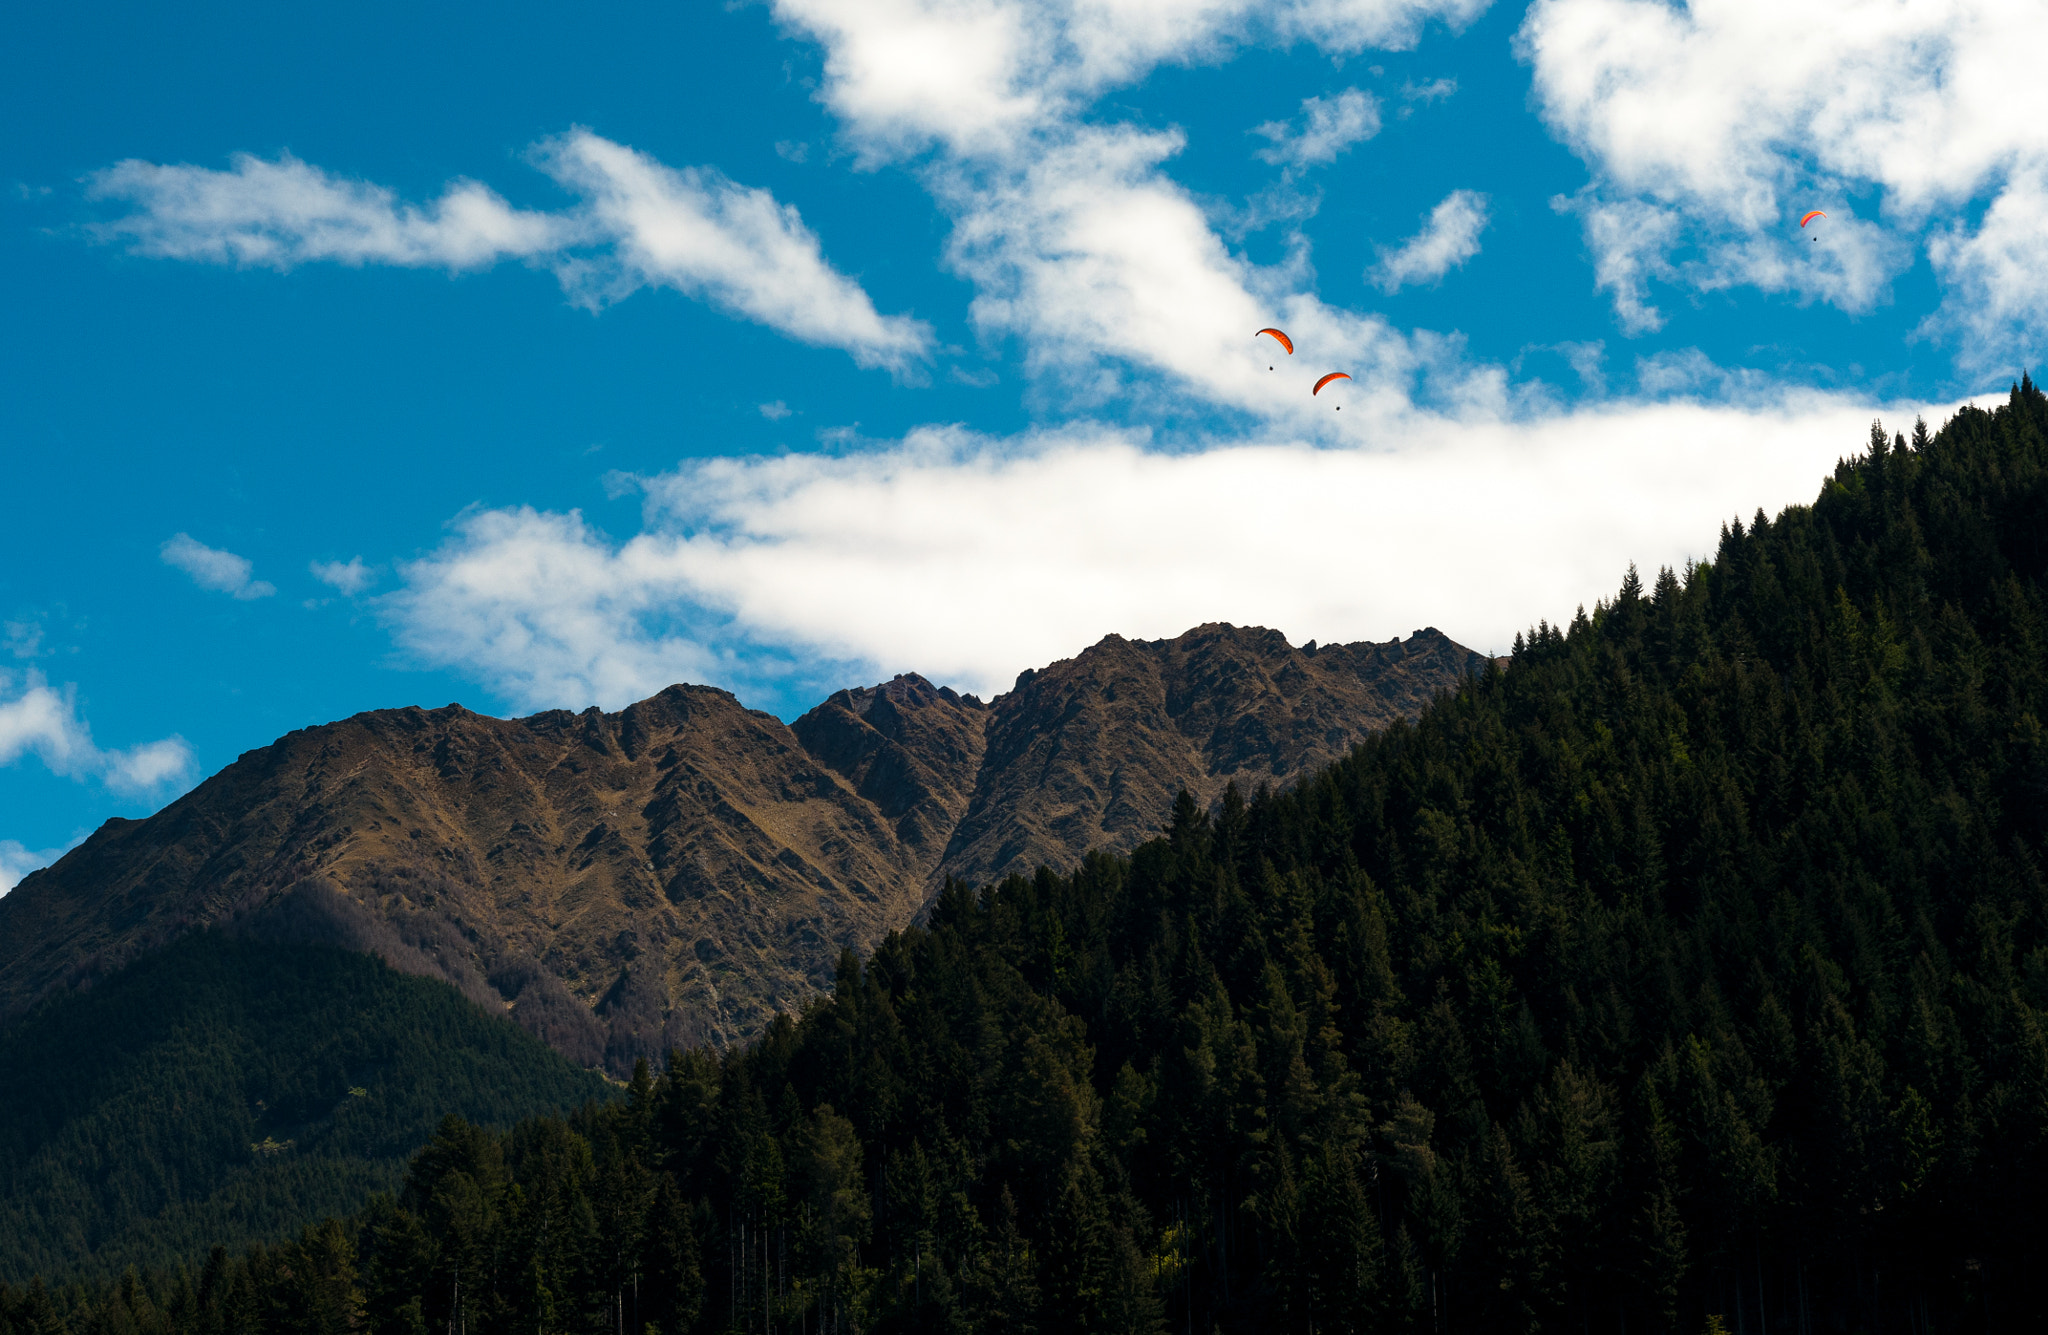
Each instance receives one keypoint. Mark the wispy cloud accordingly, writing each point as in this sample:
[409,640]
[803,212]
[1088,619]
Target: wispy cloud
[283,213]
[348,578]
[1329,126]
[639,224]
[214,569]
[1446,241]
[1629,241]
[41,720]
[737,247]
[1998,278]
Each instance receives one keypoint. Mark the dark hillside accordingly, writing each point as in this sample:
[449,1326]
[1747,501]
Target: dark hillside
[231,1090]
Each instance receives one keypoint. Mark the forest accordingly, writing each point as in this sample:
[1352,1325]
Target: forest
[228,1089]
[1688,973]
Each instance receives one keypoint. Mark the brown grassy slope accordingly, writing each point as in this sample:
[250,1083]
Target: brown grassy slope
[1090,752]
[681,870]
[643,859]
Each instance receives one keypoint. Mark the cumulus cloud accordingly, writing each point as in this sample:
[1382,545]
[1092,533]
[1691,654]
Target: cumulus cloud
[1726,121]
[969,558]
[1446,241]
[1329,126]
[349,577]
[41,720]
[212,568]
[639,224]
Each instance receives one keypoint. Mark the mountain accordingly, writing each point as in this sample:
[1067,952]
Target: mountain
[682,870]
[1690,973]
[1090,752]
[227,1090]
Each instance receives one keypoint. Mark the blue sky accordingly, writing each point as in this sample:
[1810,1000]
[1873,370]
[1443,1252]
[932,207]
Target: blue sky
[359,357]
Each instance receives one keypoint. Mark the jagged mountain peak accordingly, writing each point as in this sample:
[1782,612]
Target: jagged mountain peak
[679,870]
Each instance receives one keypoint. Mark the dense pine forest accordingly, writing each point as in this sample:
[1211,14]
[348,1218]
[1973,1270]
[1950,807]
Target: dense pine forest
[1688,973]
[230,1089]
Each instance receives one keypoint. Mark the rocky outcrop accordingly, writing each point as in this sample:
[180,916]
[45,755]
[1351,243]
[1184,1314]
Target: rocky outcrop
[1090,752]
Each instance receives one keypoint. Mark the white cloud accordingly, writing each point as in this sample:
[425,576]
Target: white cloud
[1001,87]
[1446,241]
[1110,274]
[1113,278]
[1585,358]
[1998,277]
[968,558]
[17,860]
[1688,371]
[544,609]
[285,213]
[1728,120]
[150,767]
[639,224]
[981,77]
[1433,91]
[1329,126]
[41,720]
[211,568]
[1629,241]
[694,230]
[349,577]
[774,411]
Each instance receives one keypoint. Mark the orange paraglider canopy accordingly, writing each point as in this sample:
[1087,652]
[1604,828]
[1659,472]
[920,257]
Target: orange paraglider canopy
[1334,375]
[1816,213]
[1280,338]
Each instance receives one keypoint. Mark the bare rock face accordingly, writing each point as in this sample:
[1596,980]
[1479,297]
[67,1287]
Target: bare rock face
[1090,752]
[910,748]
[680,871]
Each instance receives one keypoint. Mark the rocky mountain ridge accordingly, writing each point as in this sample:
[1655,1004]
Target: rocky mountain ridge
[679,871]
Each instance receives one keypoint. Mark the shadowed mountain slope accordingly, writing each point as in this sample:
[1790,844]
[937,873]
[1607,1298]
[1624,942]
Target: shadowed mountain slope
[228,1090]
[681,870]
